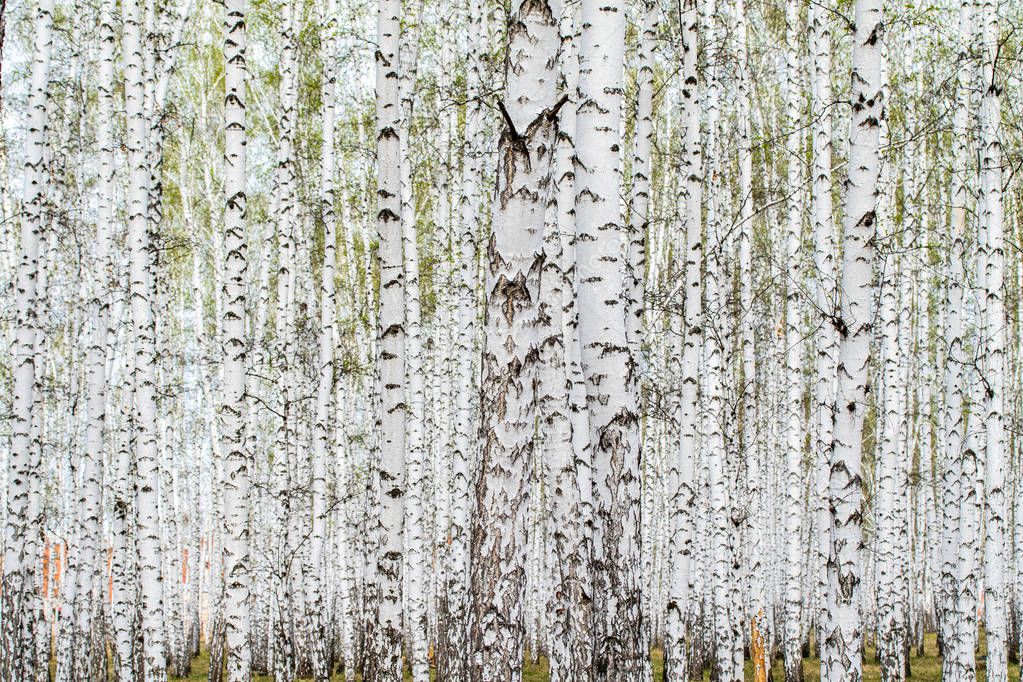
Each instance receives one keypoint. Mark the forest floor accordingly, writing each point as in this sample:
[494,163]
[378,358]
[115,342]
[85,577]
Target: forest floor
[926,668]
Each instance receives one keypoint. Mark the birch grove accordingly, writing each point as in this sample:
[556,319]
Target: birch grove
[466,340]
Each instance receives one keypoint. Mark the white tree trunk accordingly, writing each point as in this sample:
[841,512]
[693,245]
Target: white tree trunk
[717,444]
[123,579]
[386,616]
[514,262]
[416,518]
[823,221]
[81,613]
[844,629]
[793,644]
[607,361]
[323,431]
[21,538]
[958,475]
[749,438]
[237,491]
[639,202]
[952,491]
[454,632]
[682,468]
[993,307]
[143,295]
[952,418]
[564,429]
[889,510]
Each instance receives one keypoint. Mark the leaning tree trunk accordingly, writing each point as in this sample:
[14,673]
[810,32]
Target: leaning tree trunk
[236,489]
[513,268]
[823,409]
[21,538]
[844,629]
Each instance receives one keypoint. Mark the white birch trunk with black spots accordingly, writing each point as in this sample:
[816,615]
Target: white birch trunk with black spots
[513,265]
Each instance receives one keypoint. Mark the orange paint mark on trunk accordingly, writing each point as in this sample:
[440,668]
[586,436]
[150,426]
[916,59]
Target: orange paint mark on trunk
[110,575]
[46,569]
[58,564]
[757,649]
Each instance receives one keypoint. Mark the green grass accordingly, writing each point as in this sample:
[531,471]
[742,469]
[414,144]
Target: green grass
[925,668]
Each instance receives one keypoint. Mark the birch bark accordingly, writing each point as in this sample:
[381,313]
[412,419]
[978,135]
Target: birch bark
[564,426]
[453,633]
[996,541]
[21,539]
[386,628]
[682,469]
[323,442]
[844,627]
[714,415]
[793,645]
[84,568]
[123,577]
[607,361]
[749,438]
[513,269]
[889,515]
[237,563]
[824,260]
[143,294]
[416,518]
[639,202]
[283,472]
[956,662]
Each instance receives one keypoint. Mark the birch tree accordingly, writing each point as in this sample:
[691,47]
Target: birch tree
[84,568]
[561,402]
[793,362]
[607,362]
[416,535]
[824,260]
[891,478]
[143,292]
[996,510]
[758,598]
[237,491]
[844,627]
[453,634]
[959,464]
[385,660]
[682,470]
[228,393]
[513,267]
[22,534]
